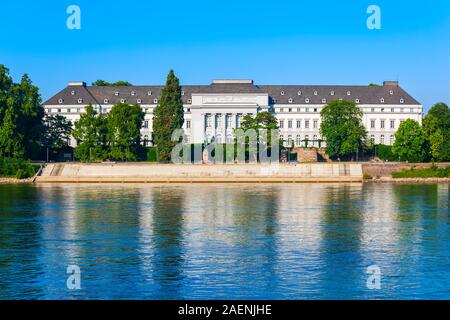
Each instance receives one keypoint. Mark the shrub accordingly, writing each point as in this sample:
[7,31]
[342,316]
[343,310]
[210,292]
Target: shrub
[152,154]
[384,152]
[20,169]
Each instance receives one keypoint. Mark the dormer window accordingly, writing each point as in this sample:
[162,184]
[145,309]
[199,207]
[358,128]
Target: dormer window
[80,100]
[182,93]
[316,93]
[382,100]
[282,93]
[332,93]
[116,93]
[357,100]
[299,93]
[106,101]
[60,100]
[122,100]
[307,100]
[133,93]
[189,101]
[349,93]
[324,100]
[149,93]
[382,109]
[72,92]
[290,100]
[402,100]
[139,101]
[391,92]
[155,101]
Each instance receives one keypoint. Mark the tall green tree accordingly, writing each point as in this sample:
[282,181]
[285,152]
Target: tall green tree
[168,116]
[11,139]
[56,134]
[30,121]
[124,123]
[5,87]
[436,127]
[91,135]
[410,143]
[21,116]
[342,128]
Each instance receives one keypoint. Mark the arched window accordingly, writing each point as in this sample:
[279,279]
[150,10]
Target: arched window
[391,140]
[298,140]
[382,139]
[372,139]
[314,139]
[229,139]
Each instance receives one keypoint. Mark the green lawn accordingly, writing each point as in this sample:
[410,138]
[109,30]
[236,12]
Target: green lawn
[433,172]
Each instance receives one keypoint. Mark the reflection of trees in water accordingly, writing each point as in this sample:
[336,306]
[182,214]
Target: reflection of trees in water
[422,208]
[19,242]
[340,241]
[168,254]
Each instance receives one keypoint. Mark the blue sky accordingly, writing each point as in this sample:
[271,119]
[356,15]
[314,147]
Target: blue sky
[271,42]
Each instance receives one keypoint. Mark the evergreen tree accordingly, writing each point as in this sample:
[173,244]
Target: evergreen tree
[410,143]
[168,116]
[91,135]
[124,124]
[342,128]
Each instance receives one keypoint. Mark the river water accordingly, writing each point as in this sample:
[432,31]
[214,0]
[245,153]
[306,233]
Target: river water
[225,241]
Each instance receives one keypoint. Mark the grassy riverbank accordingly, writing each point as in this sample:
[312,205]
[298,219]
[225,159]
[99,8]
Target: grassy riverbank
[433,172]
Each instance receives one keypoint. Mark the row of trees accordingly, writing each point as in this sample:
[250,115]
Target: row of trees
[429,142]
[345,133]
[115,135]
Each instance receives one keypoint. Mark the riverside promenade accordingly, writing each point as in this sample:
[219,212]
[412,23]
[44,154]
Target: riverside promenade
[186,173]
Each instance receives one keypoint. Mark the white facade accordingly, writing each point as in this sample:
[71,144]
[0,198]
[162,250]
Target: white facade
[215,115]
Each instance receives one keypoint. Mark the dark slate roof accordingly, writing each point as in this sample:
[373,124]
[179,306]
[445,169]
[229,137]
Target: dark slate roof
[279,94]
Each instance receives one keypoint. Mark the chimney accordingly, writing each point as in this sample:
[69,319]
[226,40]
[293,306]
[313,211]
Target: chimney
[390,83]
[77,84]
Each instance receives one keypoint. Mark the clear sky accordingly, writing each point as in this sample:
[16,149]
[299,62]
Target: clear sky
[271,42]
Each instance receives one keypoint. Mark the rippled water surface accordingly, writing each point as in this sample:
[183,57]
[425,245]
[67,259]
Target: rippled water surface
[303,241]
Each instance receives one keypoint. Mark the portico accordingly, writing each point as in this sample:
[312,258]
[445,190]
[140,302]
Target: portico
[220,114]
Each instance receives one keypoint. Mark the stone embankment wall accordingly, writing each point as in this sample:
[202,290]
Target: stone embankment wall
[144,172]
[386,169]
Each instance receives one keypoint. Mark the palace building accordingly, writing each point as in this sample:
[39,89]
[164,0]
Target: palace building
[212,112]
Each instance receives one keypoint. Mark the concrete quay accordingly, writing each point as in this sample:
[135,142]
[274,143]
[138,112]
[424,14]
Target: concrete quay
[186,173]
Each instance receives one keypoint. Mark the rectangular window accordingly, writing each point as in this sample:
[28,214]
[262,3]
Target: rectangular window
[392,124]
[290,124]
[382,124]
[188,124]
[299,124]
[146,124]
[281,124]
[315,123]
[208,121]
[372,124]
[307,124]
